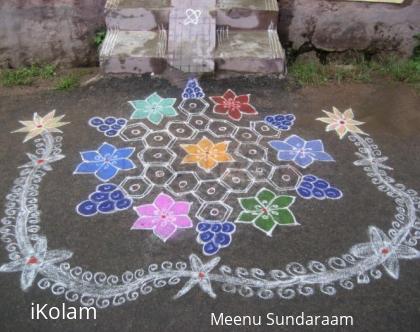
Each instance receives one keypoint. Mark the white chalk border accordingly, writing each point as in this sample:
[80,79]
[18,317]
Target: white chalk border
[21,228]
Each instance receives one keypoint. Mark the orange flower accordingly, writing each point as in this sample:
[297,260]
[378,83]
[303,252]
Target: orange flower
[206,154]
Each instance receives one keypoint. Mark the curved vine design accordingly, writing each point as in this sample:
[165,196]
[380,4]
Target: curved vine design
[28,251]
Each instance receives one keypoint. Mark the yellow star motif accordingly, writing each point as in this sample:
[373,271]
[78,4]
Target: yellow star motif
[342,123]
[206,154]
[41,124]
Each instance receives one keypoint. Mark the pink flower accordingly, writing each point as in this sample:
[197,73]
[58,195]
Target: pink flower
[164,216]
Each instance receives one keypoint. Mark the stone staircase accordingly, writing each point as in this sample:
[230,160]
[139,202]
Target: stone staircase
[193,36]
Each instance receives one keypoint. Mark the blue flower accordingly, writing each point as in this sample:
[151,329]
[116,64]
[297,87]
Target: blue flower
[302,153]
[105,162]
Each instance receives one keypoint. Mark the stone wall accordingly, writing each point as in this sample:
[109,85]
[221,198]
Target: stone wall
[337,26]
[49,31]
[61,31]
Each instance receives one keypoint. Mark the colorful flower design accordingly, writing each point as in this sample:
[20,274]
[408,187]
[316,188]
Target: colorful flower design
[342,123]
[312,186]
[383,248]
[232,105]
[107,198]
[206,153]
[105,162]
[214,235]
[39,124]
[267,210]
[193,90]
[110,126]
[154,108]
[34,260]
[164,216]
[283,122]
[302,153]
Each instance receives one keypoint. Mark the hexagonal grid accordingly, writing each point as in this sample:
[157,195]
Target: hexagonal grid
[162,166]
[156,156]
[183,183]
[285,177]
[221,128]
[251,151]
[136,186]
[159,175]
[159,139]
[134,132]
[193,106]
[180,130]
[237,180]
[211,191]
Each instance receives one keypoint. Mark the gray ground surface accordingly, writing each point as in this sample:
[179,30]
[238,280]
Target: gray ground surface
[328,228]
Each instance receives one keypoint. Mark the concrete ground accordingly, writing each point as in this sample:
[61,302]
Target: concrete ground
[327,228]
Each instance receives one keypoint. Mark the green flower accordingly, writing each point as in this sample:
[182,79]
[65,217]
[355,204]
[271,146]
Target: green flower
[267,210]
[154,108]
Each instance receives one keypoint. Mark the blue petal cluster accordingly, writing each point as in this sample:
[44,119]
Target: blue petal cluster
[282,122]
[110,126]
[312,186]
[193,90]
[214,235]
[108,198]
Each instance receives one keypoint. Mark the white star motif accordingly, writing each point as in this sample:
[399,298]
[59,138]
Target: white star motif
[35,260]
[200,276]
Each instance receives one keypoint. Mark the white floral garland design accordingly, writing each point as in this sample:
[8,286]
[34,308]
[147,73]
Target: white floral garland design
[29,254]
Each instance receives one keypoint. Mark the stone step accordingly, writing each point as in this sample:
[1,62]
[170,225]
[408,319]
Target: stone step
[248,14]
[154,14]
[192,36]
[250,51]
[141,15]
[146,52]
[135,52]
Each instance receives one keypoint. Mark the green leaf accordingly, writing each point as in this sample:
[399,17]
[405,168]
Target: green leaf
[265,196]
[284,217]
[281,202]
[250,204]
[247,216]
[155,117]
[265,223]
[154,99]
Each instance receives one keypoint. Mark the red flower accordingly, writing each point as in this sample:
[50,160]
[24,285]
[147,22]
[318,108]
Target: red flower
[233,105]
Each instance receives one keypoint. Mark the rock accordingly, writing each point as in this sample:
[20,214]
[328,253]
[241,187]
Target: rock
[49,31]
[337,26]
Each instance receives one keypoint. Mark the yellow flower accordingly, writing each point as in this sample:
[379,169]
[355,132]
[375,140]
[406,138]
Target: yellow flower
[40,124]
[342,123]
[206,154]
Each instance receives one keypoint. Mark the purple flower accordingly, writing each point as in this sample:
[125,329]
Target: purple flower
[302,153]
[164,216]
